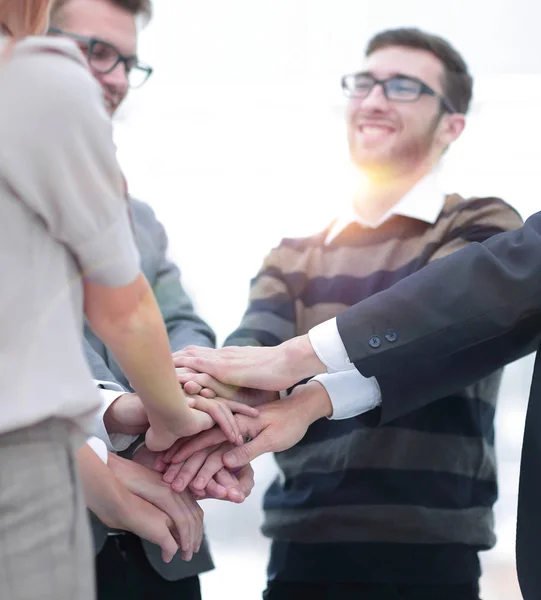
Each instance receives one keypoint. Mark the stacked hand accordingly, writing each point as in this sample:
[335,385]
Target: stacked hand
[211,460]
[203,460]
[176,504]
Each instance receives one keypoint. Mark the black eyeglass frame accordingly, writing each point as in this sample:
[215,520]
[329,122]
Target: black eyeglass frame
[130,62]
[423,89]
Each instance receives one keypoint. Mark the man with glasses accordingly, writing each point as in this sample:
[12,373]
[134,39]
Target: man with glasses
[400,511]
[128,567]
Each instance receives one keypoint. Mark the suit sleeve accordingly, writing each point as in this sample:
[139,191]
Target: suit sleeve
[456,320]
[184,327]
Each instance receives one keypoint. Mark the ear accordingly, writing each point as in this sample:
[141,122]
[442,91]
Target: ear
[450,128]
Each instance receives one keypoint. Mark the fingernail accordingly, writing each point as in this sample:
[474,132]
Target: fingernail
[178,485]
[231,460]
[236,495]
[199,483]
[240,440]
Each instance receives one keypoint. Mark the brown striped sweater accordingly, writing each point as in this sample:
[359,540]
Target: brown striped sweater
[410,502]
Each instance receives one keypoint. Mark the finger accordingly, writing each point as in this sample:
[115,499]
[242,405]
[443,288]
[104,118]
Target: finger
[173,450]
[160,465]
[191,387]
[222,416]
[213,490]
[207,393]
[235,493]
[185,531]
[197,363]
[200,531]
[240,408]
[171,472]
[183,370]
[199,442]
[212,465]
[206,381]
[229,420]
[242,455]
[246,480]
[168,543]
[180,356]
[189,470]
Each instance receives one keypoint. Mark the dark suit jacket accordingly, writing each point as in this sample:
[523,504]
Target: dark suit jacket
[456,321]
[184,327]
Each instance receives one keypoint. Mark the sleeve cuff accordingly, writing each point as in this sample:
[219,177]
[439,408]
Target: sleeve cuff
[350,393]
[99,448]
[329,347]
[115,442]
[111,258]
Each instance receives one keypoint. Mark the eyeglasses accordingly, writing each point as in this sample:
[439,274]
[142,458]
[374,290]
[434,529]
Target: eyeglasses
[398,88]
[104,58]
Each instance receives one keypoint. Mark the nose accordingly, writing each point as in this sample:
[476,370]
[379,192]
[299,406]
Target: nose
[376,99]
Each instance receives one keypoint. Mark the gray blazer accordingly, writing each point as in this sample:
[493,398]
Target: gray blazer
[184,327]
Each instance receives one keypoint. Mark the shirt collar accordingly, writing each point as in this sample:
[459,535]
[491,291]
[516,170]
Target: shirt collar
[424,202]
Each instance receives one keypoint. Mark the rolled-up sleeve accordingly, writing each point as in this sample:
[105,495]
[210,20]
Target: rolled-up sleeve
[61,161]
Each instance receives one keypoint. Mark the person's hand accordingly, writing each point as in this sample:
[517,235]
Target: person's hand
[280,426]
[224,486]
[207,386]
[221,483]
[119,508]
[203,414]
[275,368]
[185,513]
[126,415]
[239,485]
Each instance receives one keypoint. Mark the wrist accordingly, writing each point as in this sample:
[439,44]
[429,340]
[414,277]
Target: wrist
[110,421]
[300,356]
[313,400]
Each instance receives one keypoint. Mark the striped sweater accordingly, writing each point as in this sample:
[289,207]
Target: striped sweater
[409,502]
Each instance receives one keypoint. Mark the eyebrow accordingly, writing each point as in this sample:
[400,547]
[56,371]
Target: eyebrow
[389,76]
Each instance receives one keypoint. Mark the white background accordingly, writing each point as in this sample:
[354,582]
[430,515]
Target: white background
[238,139]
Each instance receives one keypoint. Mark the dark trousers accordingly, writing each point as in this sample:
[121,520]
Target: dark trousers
[281,590]
[124,573]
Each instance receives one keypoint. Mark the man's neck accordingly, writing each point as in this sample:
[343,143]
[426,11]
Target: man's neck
[378,193]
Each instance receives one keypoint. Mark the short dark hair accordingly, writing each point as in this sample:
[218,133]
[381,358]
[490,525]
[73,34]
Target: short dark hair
[138,8]
[458,83]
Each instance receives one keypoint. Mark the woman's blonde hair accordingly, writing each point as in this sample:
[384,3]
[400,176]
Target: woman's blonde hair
[25,17]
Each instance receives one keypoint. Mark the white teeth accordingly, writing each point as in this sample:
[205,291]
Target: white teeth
[374,130]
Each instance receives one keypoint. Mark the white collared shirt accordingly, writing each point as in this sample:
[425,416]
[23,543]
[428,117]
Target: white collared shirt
[350,393]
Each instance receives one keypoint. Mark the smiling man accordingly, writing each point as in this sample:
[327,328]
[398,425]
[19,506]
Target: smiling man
[403,510]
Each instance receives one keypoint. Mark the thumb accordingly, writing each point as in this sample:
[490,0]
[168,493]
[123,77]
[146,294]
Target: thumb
[242,455]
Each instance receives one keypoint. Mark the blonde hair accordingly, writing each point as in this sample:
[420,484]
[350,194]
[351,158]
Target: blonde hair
[25,17]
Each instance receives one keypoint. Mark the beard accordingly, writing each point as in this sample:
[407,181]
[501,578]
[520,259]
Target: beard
[402,157]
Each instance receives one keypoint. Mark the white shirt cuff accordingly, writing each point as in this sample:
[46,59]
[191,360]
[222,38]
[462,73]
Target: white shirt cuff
[329,347]
[99,447]
[115,442]
[351,394]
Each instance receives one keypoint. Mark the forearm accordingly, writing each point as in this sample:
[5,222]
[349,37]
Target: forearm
[140,345]
[104,495]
